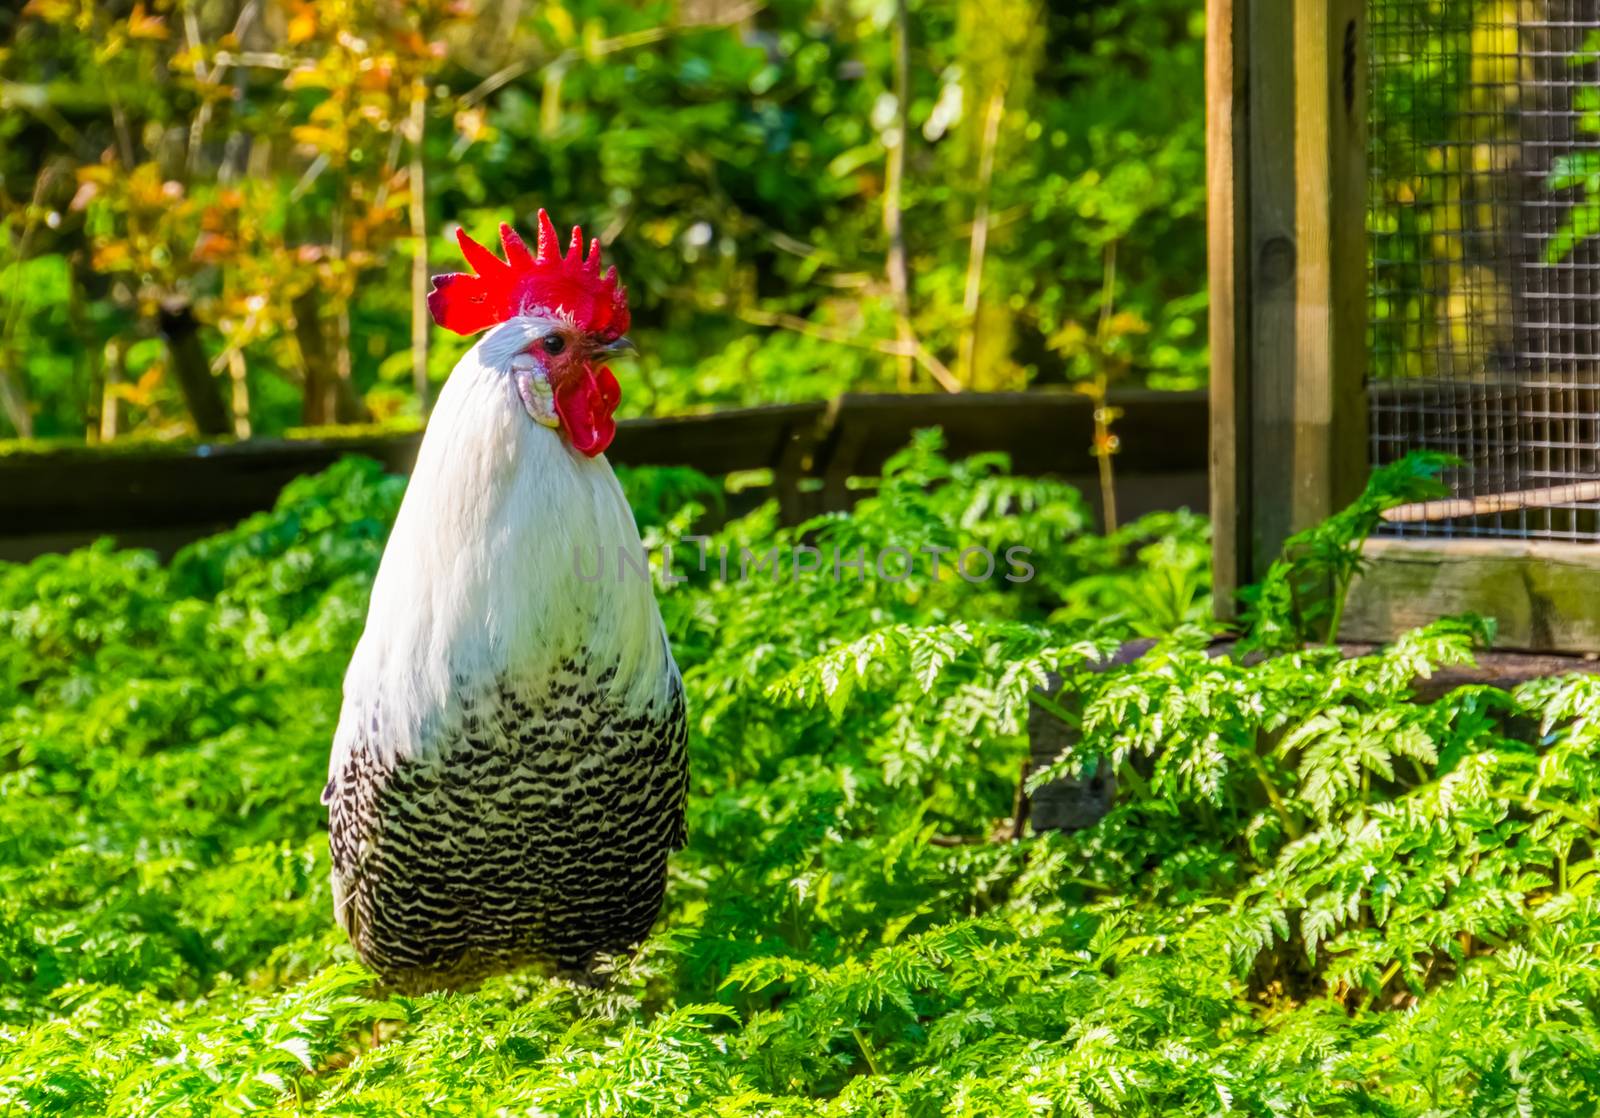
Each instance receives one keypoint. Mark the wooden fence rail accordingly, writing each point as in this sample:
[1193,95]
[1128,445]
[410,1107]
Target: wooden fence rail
[162,497]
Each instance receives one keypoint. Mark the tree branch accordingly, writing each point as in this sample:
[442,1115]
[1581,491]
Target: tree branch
[193,372]
[935,368]
[419,250]
[895,139]
[979,245]
[511,72]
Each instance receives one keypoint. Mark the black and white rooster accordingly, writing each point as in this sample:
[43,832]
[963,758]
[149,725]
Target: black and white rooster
[508,774]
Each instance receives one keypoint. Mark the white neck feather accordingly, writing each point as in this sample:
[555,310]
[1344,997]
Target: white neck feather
[484,574]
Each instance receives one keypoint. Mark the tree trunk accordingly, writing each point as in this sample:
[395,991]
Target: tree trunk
[966,368]
[420,318]
[110,396]
[93,357]
[347,406]
[12,400]
[240,404]
[894,180]
[329,393]
[200,390]
[316,404]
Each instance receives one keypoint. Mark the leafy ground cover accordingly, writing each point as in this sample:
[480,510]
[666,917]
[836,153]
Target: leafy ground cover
[1314,895]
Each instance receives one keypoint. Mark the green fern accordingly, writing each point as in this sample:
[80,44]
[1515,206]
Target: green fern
[1314,895]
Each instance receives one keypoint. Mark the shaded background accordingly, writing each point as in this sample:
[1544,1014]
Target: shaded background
[218,216]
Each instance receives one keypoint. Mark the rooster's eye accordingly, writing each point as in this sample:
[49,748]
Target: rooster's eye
[554,343]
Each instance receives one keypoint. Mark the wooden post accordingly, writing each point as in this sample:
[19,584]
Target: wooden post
[1286,167]
[1228,230]
[1329,456]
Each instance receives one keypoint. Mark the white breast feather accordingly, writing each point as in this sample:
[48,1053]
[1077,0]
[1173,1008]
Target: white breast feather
[491,567]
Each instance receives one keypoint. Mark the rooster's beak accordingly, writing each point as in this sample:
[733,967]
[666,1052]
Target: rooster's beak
[621,345]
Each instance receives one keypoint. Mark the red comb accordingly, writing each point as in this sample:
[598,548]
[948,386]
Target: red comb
[496,290]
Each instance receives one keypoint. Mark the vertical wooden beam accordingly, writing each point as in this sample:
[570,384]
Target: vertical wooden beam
[1286,174]
[1228,233]
[1329,457]
[1274,264]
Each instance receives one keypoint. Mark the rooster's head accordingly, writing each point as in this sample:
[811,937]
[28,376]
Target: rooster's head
[557,320]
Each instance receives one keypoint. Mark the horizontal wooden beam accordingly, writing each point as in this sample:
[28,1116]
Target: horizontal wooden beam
[163,495]
[1543,595]
[131,486]
[1043,433]
[1488,504]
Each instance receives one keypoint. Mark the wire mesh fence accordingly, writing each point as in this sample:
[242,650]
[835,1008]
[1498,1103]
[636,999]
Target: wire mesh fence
[1483,215]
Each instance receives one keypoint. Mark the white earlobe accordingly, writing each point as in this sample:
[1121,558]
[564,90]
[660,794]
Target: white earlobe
[533,386]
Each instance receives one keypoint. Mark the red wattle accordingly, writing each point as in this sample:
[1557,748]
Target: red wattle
[585,401]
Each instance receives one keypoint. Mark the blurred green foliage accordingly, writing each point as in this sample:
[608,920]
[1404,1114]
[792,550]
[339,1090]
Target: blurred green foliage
[1477,202]
[1579,171]
[1444,79]
[252,164]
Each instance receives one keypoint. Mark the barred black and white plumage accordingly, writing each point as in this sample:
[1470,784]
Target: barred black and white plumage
[539,830]
[508,776]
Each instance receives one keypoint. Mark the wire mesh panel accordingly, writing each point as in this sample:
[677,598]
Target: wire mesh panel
[1484,229]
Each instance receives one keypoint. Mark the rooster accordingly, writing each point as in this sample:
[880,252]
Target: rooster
[508,774]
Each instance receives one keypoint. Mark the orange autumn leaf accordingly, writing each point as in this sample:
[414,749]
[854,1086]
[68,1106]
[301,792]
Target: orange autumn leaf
[213,247]
[375,75]
[1106,445]
[1126,322]
[142,393]
[111,256]
[142,25]
[51,11]
[303,24]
